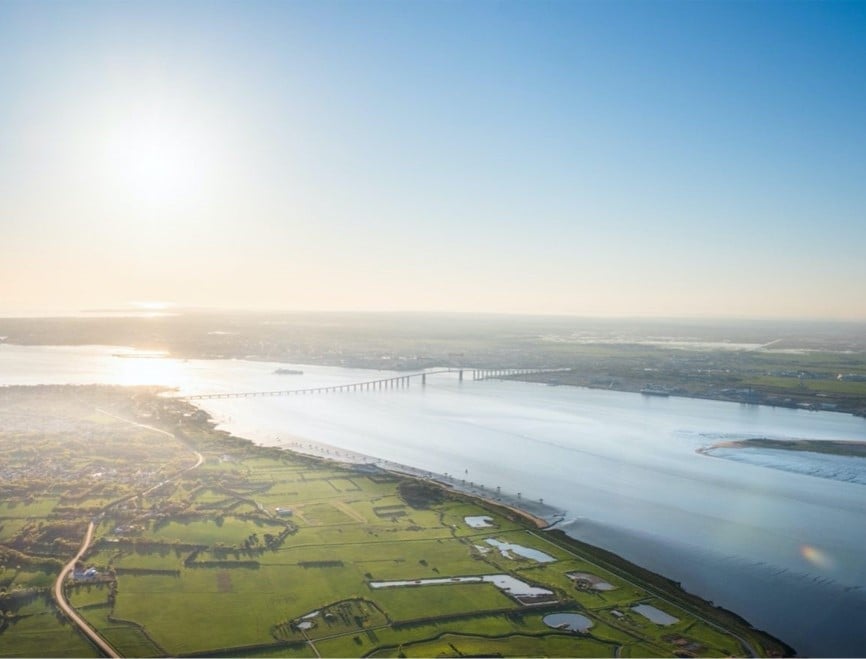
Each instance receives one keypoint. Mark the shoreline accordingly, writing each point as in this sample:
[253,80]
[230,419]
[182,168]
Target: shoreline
[665,587]
[696,396]
[542,515]
[832,399]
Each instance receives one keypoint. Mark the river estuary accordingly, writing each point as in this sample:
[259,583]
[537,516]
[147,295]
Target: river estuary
[774,536]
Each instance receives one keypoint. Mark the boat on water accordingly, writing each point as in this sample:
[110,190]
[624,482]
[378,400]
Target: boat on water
[655,391]
[288,371]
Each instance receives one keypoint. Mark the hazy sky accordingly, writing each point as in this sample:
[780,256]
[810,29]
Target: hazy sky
[548,157]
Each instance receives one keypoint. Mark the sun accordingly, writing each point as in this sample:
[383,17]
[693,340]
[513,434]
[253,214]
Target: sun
[157,155]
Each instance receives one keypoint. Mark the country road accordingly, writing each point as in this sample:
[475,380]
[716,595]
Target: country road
[57,592]
[60,597]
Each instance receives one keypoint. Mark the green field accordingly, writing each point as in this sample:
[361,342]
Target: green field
[261,552]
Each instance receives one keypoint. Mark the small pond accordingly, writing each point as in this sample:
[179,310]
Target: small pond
[573,622]
[505,582]
[655,615]
[589,580]
[505,548]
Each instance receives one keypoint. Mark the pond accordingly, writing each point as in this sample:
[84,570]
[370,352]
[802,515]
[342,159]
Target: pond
[505,548]
[589,580]
[655,615]
[573,622]
[506,583]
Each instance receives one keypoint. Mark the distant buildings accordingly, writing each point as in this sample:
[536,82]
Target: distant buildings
[82,574]
[851,377]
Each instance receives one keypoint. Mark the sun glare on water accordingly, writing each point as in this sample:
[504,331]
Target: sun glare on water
[148,369]
[151,305]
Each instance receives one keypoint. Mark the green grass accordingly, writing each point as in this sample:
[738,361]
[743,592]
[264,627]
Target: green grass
[87,595]
[10,526]
[27,578]
[795,385]
[323,514]
[40,508]
[301,651]
[228,531]
[43,635]
[410,603]
[127,639]
[516,645]
[166,559]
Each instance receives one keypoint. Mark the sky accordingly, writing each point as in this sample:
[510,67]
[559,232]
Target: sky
[693,159]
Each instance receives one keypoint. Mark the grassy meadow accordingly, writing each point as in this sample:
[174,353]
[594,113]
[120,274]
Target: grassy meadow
[260,552]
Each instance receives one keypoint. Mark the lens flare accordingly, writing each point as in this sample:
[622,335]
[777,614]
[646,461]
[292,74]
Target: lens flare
[816,557]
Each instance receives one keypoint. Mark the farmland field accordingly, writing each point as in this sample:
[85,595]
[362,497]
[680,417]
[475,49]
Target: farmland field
[262,552]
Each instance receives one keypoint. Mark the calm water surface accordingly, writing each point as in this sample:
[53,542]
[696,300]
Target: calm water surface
[783,548]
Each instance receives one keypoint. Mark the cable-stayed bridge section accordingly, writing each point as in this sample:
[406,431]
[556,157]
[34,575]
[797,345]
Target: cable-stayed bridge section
[395,382]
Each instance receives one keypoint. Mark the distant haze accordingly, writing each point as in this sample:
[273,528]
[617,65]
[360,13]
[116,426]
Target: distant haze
[638,159]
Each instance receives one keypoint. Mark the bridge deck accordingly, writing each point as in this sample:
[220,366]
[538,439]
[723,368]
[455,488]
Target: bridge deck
[395,382]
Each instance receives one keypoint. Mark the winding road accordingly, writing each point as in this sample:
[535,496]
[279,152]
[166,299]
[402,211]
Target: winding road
[57,591]
[60,597]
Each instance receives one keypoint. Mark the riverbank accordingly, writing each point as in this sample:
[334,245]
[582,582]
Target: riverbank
[543,518]
[818,397]
[534,512]
[528,514]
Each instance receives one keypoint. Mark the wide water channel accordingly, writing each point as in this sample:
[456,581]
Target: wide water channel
[768,540]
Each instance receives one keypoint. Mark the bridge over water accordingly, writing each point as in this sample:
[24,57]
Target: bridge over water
[395,382]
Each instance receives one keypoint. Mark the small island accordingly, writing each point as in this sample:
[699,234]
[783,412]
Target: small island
[829,447]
